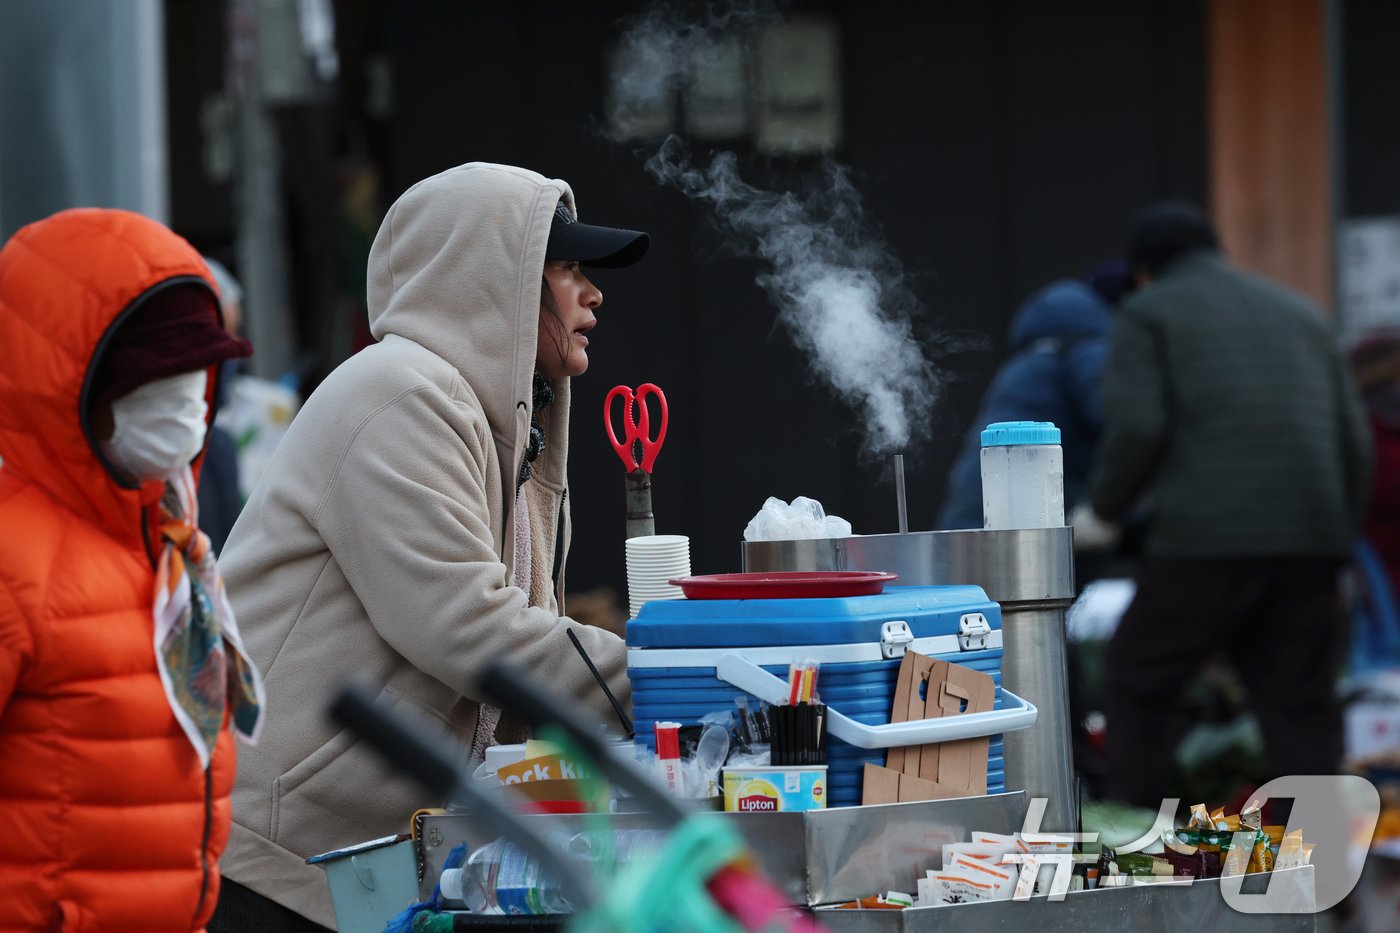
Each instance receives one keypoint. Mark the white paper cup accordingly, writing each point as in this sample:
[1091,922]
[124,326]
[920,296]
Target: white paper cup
[659,574]
[645,542]
[652,562]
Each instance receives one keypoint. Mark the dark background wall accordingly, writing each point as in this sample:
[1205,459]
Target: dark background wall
[998,144]
[1370,74]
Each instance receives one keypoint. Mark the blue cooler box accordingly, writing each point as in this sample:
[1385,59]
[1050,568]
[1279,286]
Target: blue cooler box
[674,645]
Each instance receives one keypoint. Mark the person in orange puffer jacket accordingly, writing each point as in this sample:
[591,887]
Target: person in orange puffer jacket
[122,673]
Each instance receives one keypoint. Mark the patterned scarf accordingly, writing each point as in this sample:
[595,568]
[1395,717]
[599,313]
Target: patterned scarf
[196,635]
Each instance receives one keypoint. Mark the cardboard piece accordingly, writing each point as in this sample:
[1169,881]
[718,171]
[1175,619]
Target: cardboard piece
[885,786]
[908,704]
[929,688]
[963,763]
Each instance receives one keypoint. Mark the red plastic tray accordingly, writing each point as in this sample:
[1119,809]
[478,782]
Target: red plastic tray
[794,584]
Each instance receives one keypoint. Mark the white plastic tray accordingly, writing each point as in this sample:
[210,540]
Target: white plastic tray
[1016,714]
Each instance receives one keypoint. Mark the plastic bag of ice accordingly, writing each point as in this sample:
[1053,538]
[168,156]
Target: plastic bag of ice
[802,518]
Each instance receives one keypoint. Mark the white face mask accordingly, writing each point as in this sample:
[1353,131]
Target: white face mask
[159,427]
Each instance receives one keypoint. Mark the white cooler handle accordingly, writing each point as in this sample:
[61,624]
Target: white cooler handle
[1017,713]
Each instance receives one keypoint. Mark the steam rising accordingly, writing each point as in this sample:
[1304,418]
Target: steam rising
[659,53]
[840,291]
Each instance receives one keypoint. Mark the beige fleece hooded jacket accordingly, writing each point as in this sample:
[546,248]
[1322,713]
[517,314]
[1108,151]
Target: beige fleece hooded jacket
[378,544]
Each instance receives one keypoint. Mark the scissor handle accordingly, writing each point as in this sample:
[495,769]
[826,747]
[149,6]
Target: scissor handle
[629,425]
[650,448]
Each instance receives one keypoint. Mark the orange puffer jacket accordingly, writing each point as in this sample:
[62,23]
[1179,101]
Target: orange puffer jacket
[107,820]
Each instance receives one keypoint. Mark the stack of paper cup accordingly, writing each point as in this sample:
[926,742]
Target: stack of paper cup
[651,561]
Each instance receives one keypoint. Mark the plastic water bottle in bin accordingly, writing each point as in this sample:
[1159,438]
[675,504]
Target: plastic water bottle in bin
[628,845]
[501,878]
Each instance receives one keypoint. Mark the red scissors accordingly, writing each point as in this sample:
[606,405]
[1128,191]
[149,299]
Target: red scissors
[636,427]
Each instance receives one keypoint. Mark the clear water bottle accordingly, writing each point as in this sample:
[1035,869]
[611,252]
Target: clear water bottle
[460,891]
[502,878]
[627,845]
[473,886]
[1023,475]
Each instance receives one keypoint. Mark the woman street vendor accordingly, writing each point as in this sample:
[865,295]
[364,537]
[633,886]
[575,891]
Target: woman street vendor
[405,531]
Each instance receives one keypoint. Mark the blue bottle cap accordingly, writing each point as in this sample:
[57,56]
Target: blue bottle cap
[1010,433]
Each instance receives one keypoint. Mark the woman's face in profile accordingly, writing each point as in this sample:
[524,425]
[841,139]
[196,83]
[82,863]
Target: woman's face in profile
[566,317]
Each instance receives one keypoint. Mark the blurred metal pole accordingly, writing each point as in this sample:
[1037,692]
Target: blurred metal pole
[899,494]
[82,108]
[262,236]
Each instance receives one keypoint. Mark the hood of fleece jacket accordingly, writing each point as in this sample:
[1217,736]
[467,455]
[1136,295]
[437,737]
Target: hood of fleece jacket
[66,284]
[456,267]
[1067,308]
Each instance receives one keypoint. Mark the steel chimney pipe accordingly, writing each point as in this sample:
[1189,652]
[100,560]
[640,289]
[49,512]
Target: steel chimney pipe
[1030,573]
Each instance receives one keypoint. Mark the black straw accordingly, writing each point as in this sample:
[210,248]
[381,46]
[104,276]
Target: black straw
[617,707]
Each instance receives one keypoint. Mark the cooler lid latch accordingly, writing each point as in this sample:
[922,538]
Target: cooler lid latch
[973,631]
[895,639]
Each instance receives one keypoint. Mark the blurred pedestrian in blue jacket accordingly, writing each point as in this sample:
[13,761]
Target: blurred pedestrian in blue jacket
[1059,341]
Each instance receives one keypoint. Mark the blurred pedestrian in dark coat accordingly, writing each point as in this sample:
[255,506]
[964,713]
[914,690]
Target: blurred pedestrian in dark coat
[1227,401]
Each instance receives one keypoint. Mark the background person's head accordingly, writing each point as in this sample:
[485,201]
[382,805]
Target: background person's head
[567,297]
[149,391]
[1165,232]
[230,296]
[1112,280]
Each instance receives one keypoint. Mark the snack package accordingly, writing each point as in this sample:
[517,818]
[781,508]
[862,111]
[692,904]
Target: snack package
[874,902]
[1002,878]
[1290,851]
[1002,839]
[966,879]
[1033,876]
[1187,841]
[955,889]
[988,851]
[1251,817]
[1261,859]
[1043,844]
[1225,823]
[1028,878]
[1234,859]
[1200,819]
[1046,843]
[1136,863]
[1199,864]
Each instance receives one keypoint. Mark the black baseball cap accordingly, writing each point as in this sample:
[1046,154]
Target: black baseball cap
[589,245]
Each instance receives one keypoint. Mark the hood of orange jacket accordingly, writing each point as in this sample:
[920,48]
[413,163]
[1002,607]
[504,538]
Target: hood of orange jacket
[66,284]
